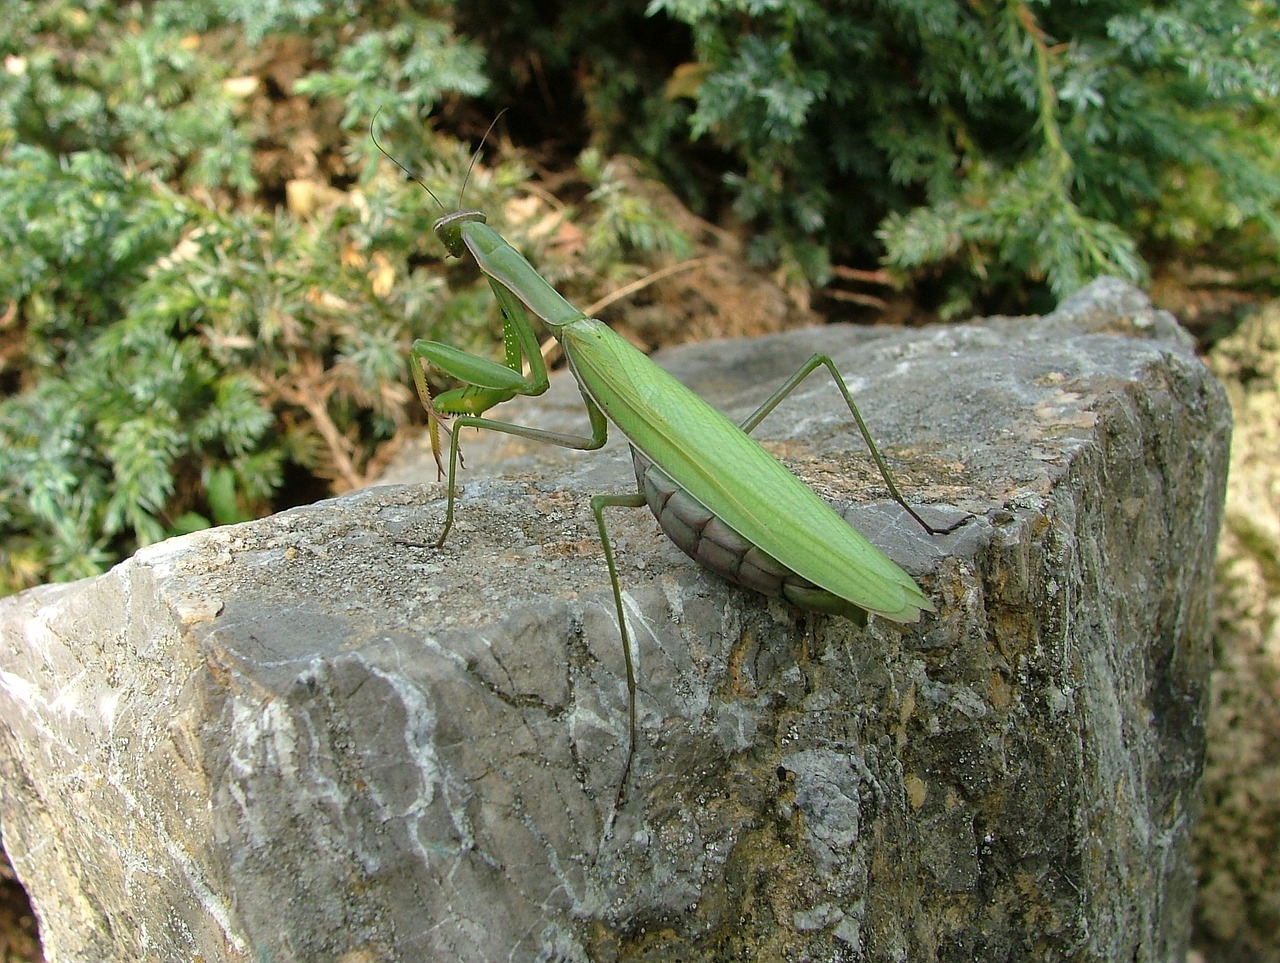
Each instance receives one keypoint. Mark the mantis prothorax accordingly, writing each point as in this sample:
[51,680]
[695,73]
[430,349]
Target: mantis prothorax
[723,499]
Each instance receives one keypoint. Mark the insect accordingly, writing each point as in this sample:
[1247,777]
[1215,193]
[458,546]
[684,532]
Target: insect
[723,499]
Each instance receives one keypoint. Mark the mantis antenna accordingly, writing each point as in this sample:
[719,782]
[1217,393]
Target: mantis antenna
[413,177]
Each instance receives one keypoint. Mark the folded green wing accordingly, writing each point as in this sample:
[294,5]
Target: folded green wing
[725,469]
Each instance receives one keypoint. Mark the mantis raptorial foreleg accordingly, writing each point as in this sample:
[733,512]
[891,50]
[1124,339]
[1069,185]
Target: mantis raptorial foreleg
[486,384]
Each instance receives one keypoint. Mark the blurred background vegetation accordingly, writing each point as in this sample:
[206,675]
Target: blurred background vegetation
[212,277]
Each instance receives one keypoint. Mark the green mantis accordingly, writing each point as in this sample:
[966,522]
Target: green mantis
[722,498]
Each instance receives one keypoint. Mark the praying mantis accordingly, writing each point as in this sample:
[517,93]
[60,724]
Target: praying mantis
[720,496]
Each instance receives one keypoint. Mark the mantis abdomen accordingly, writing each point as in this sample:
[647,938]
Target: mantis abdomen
[706,539]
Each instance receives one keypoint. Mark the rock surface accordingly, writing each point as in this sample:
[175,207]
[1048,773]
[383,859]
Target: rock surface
[318,738]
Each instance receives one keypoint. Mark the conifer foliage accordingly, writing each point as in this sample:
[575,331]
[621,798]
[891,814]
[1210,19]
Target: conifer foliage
[994,145]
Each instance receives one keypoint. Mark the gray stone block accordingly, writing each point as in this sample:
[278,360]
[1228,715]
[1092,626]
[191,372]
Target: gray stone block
[318,738]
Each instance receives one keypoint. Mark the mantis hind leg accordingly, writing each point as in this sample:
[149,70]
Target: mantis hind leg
[822,360]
